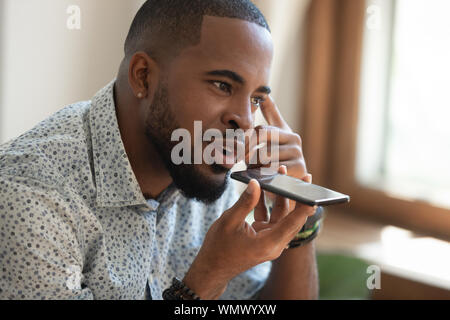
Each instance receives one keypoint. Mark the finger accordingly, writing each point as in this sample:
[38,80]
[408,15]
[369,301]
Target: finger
[307,208]
[251,145]
[289,226]
[292,203]
[264,138]
[261,225]
[245,204]
[281,205]
[282,170]
[272,115]
[274,154]
[308,178]
[261,213]
[266,134]
[262,157]
[296,168]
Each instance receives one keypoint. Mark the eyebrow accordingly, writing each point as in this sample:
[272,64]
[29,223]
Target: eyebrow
[237,78]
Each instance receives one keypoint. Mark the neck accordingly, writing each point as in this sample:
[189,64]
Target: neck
[150,172]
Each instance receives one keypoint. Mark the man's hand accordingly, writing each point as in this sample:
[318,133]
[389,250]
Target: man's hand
[288,144]
[232,246]
[294,273]
[281,207]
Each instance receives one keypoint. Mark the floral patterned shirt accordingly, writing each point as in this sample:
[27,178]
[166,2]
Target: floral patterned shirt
[74,223]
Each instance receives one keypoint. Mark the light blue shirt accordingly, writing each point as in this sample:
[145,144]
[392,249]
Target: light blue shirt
[74,223]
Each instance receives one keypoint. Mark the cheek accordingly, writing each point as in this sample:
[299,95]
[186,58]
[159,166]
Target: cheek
[195,103]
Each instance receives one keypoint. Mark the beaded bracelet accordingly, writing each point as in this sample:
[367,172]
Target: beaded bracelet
[179,291]
[302,235]
[301,239]
[309,231]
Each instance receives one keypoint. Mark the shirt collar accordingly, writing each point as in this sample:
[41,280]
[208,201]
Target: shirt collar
[117,185]
[165,199]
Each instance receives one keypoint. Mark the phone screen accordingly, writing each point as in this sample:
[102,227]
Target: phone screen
[292,188]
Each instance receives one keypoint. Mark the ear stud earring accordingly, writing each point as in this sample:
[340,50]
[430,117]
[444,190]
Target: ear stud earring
[140,95]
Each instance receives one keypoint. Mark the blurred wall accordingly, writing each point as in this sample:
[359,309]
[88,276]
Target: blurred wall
[287,19]
[44,65]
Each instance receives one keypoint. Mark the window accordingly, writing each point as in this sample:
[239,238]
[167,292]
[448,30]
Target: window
[404,133]
[376,108]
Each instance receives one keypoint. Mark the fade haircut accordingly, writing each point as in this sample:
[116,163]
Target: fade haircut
[162,28]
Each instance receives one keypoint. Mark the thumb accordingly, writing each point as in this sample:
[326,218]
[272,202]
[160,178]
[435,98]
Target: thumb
[246,203]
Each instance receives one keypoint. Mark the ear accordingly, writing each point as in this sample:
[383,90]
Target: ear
[143,75]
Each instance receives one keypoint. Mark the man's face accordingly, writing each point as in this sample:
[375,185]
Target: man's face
[219,82]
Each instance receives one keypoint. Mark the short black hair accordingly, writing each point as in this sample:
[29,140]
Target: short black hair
[162,28]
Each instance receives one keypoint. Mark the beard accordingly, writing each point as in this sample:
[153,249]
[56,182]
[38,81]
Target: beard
[188,178]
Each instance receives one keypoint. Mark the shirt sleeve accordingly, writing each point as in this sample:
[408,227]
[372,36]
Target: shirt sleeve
[41,254]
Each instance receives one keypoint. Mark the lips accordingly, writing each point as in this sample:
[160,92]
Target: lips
[229,152]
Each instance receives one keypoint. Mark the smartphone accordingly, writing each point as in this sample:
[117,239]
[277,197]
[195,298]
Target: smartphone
[292,188]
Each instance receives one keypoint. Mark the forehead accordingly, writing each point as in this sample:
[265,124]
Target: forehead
[231,44]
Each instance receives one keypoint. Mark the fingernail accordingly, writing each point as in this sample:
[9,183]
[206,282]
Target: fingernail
[283,169]
[251,186]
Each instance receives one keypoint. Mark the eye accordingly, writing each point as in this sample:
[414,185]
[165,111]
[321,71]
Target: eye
[256,101]
[223,86]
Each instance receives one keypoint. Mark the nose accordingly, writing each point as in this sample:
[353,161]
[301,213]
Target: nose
[240,117]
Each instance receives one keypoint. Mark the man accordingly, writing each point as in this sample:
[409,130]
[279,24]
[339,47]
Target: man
[93,207]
